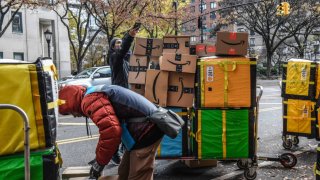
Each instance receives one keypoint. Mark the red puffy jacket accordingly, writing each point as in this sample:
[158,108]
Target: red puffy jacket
[98,107]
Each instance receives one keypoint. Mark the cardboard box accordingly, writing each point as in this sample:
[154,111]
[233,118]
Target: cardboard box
[232,43]
[157,86]
[178,62]
[148,47]
[138,88]
[200,163]
[138,67]
[176,44]
[204,50]
[180,89]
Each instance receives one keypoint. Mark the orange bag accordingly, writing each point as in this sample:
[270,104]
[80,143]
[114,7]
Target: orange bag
[226,82]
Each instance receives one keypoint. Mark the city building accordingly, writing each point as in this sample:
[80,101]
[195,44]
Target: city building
[210,20]
[25,38]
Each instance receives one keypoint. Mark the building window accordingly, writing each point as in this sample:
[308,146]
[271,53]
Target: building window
[18,56]
[17,23]
[213,5]
[252,33]
[192,9]
[252,41]
[184,29]
[193,28]
[204,26]
[212,15]
[204,6]
[205,37]
[1,55]
[204,18]
[192,1]
[193,38]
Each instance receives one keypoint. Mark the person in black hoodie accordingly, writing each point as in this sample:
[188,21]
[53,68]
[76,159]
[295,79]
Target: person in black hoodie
[119,55]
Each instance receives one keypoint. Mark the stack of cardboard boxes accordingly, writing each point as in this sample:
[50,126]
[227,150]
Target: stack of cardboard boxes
[299,100]
[224,93]
[163,71]
[223,121]
[146,52]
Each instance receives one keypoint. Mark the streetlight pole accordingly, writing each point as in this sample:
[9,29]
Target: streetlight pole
[48,36]
[175,5]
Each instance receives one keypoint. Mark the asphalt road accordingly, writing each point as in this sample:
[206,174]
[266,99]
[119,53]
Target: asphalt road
[77,149]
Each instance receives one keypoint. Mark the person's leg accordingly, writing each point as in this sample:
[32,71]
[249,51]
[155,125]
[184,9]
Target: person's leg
[123,169]
[142,162]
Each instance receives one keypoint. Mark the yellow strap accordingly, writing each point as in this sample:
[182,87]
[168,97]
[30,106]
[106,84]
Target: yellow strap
[56,103]
[198,135]
[299,118]
[159,150]
[53,69]
[182,113]
[312,65]
[225,90]
[213,62]
[224,134]
[202,85]
[191,134]
[310,82]
[58,159]
[37,106]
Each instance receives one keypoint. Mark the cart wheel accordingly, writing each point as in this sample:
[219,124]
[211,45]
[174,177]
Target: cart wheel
[295,140]
[249,176]
[287,144]
[242,164]
[288,160]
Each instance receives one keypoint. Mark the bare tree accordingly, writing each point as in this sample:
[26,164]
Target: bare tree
[7,6]
[300,39]
[77,19]
[261,18]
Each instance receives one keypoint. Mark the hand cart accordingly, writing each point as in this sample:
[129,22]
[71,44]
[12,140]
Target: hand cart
[288,160]
[26,137]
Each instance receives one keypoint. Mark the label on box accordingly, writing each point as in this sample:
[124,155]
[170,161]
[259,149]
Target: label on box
[209,73]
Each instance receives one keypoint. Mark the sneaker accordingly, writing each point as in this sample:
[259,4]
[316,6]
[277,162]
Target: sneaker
[116,159]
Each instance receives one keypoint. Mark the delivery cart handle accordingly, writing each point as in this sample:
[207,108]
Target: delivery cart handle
[26,137]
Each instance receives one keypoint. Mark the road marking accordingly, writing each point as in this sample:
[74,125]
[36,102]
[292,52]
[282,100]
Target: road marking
[75,124]
[65,117]
[270,103]
[270,109]
[78,139]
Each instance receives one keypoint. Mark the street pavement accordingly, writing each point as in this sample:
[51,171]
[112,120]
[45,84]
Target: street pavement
[77,149]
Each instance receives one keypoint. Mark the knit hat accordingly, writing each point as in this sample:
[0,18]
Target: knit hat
[73,96]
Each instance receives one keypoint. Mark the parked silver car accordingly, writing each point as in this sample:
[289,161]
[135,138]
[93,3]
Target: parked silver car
[90,77]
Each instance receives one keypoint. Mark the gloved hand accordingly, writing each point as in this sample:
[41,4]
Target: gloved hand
[96,169]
